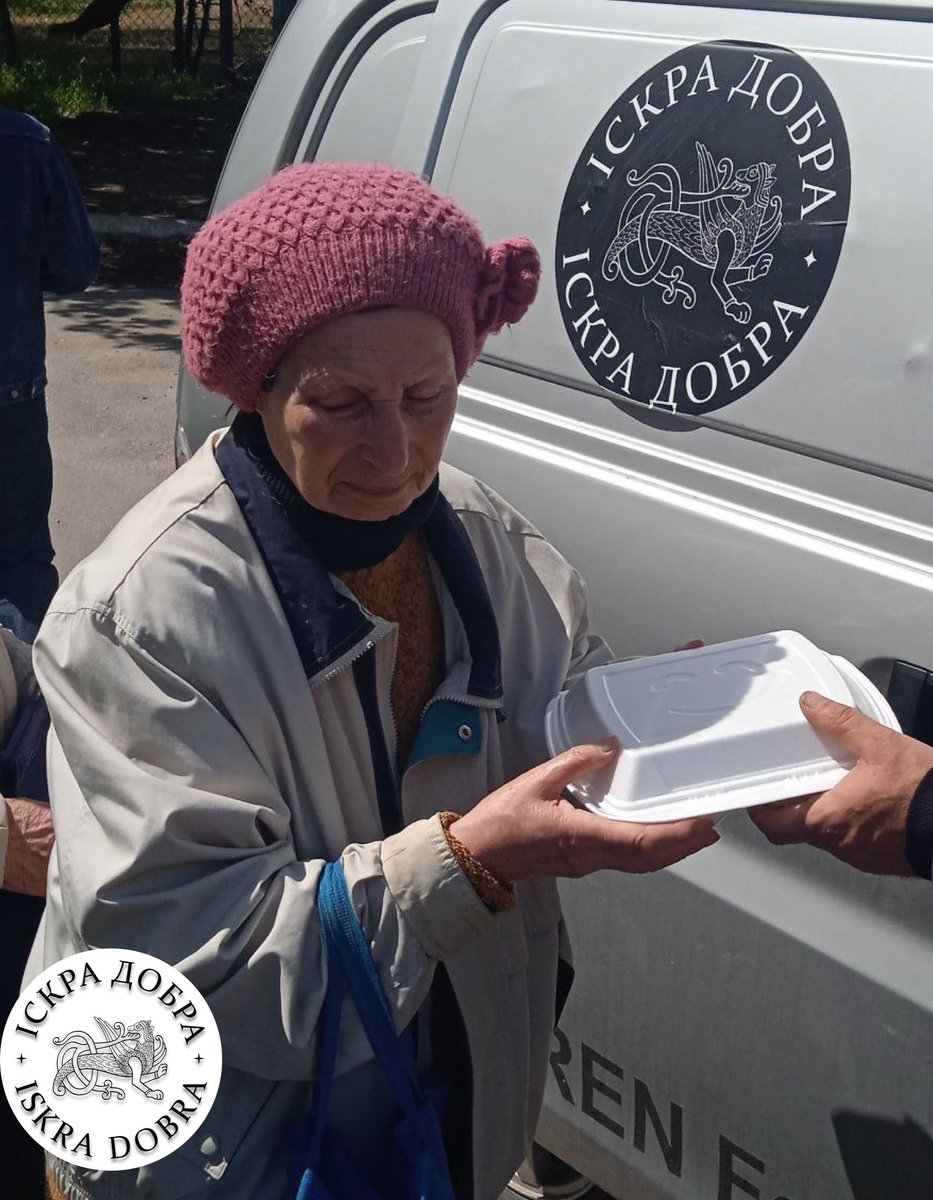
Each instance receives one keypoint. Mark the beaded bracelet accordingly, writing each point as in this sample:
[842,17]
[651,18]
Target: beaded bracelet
[494,893]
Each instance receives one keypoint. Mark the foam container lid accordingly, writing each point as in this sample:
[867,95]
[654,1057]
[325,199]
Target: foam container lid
[709,730]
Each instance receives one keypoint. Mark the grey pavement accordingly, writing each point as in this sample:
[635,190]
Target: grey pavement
[112,357]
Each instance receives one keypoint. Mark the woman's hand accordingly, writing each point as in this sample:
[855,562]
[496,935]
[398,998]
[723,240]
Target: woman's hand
[527,828]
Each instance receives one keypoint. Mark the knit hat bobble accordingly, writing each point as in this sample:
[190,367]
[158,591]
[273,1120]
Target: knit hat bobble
[322,240]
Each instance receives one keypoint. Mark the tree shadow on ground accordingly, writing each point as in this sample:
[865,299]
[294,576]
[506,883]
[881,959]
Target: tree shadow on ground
[158,160]
[131,318]
[149,263]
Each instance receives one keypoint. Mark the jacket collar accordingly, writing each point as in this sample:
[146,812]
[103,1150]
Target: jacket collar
[324,622]
[456,560]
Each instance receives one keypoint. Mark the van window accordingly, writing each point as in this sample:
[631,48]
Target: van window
[836,286]
[367,96]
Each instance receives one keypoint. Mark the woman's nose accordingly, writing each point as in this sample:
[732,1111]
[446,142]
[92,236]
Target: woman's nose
[389,441]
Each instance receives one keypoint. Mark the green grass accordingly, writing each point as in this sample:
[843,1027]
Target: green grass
[38,88]
[24,11]
[57,80]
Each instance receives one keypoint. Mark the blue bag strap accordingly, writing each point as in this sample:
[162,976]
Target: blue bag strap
[342,931]
[326,1066]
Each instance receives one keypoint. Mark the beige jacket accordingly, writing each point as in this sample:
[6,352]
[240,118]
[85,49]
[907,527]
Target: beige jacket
[202,771]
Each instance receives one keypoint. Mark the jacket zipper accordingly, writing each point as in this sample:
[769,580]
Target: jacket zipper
[368,645]
[388,792]
[459,698]
[385,772]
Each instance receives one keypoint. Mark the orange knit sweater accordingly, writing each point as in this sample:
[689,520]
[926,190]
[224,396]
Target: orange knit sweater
[401,589]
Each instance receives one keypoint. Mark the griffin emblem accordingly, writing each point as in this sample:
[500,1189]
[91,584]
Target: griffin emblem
[726,226]
[134,1054]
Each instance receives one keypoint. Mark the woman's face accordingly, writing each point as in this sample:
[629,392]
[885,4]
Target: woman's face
[360,411]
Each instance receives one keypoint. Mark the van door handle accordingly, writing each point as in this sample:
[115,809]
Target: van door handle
[910,693]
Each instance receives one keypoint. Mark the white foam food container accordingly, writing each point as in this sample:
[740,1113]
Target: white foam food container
[709,730]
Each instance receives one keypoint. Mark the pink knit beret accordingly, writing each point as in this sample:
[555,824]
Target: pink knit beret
[320,240]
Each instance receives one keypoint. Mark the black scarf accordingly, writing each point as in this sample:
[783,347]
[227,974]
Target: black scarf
[339,543]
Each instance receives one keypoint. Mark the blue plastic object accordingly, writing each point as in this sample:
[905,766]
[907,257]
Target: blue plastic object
[416,1163]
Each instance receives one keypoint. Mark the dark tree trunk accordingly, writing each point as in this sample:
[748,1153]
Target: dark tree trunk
[226,39]
[115,60]
[9,50]
[203,31]
[97,15]
[178,26]
[191,24]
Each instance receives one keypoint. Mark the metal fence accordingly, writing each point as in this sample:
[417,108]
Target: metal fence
[187,34]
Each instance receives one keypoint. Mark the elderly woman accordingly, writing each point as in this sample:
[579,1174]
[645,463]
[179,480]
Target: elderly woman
[313,644]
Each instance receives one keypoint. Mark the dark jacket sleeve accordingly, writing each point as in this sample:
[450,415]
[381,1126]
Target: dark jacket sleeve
[70,255]
[919,834]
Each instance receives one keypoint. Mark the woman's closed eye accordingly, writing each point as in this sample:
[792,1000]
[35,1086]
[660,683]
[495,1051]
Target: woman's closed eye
[347,403]
[426,399]
[341,404]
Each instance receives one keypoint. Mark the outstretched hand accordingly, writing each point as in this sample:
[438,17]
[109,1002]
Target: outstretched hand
[527,828]
[862,820]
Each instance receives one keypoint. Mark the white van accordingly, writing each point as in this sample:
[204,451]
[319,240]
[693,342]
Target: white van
[721,409]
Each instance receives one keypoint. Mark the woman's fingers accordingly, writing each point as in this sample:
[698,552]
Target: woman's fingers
[785,822]
[670,841]
[519,831]
[551,777]
[602,844]
[597,843]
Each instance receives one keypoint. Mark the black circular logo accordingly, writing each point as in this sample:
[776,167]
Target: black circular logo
[702,225]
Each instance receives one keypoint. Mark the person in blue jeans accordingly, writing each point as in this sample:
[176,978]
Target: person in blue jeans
[46,245]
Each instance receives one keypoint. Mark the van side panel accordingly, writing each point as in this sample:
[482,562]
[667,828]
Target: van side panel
[753,1022]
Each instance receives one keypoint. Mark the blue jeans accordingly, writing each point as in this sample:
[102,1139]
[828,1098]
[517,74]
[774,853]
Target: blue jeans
[28,580]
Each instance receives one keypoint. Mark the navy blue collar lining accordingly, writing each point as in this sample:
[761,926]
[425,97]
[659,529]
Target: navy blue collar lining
[324,622]
[456,559]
